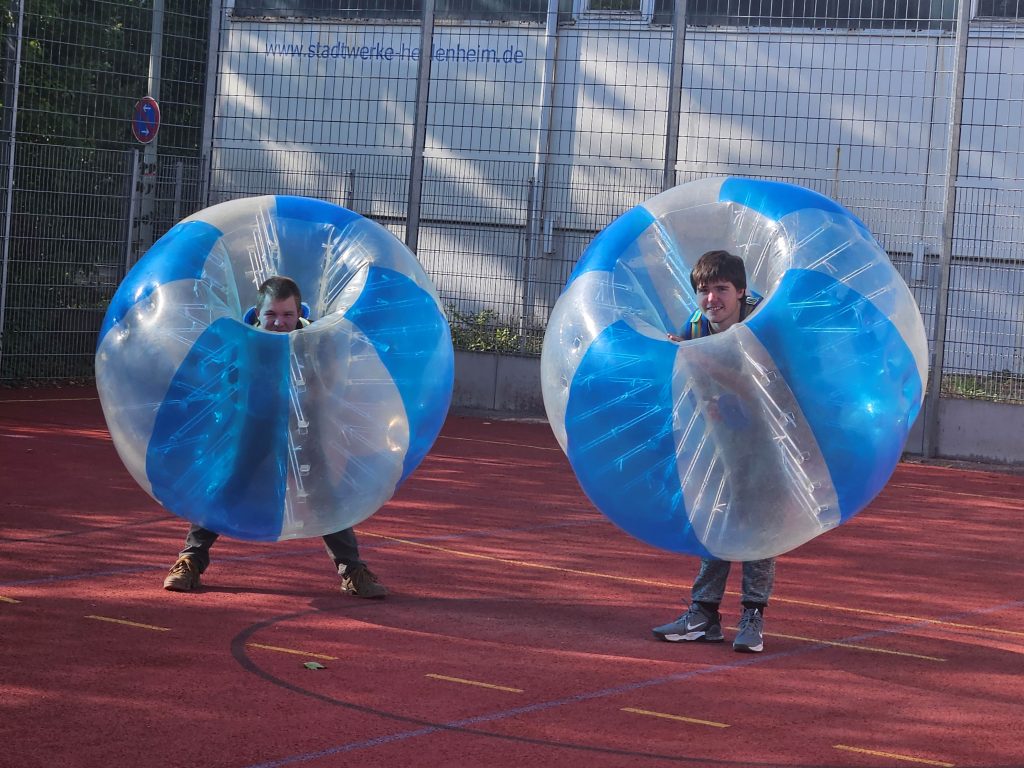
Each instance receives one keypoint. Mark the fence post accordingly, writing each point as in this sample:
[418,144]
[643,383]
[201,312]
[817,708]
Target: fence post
[419,140]
[835,172]
[348,189]
[931,424]
[525,276]
[11,103]
[536,205]
[179,187]
[210,102]
[675,95]
[147,199]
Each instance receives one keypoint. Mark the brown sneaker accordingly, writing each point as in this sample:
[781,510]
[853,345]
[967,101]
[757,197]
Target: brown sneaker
[361,582]
[183,576]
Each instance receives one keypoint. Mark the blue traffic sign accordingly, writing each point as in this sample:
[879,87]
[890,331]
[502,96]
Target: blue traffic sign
[145,119]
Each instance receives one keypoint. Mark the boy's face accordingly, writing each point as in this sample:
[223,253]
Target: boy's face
[720,301]
[280,315]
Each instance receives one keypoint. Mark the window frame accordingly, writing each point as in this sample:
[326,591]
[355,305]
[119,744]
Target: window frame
[581,10]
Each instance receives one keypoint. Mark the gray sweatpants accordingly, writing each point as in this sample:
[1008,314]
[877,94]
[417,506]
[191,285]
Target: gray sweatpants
[758,580]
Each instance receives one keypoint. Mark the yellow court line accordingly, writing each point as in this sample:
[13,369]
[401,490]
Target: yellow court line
[500,442]
[524,563]
[856,647]
[473,682]
[968,494]
[8,600]
[908,758]
[49,400]
[129,623]
[904,617]
[293,651]
[672,585]
[667,716]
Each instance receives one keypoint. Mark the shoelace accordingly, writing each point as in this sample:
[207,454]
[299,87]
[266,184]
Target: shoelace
[751,617]
[694,618]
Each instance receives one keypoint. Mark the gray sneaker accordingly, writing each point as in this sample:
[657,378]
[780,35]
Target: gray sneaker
[750,638]
[696,624]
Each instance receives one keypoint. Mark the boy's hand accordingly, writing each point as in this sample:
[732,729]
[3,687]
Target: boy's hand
[676,339]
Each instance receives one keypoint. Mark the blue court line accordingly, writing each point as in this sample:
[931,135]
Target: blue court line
[528,709]
[627,688]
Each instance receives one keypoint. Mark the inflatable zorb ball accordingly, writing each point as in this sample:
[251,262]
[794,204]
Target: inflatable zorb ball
[745,444]
[270,436]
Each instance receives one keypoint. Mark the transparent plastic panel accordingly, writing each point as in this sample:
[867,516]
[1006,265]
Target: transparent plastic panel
[348,431]
[272,436]
[754,480]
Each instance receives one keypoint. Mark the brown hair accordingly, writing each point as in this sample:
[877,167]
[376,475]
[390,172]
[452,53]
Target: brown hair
[278,287]
[716,266]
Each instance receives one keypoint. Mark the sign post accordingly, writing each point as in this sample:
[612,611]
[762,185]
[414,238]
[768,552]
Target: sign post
[145,124]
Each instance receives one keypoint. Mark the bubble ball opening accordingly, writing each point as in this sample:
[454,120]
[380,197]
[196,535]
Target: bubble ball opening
[272,436]
[744,444]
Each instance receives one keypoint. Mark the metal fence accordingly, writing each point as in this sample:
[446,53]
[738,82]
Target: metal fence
[82,198]
[524,129]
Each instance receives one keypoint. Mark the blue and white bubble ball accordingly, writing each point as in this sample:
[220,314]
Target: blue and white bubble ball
[270,436]
[745,444]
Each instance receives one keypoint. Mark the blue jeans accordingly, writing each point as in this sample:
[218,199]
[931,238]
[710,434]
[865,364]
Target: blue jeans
[341,546]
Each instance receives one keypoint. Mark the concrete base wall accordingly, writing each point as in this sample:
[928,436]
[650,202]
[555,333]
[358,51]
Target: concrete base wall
[969,430]
[508,387]
[978,430]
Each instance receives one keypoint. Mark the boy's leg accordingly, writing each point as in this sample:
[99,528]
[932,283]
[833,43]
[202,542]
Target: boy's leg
[709,586]
[197,546]
[701,621]
[343,549]
[356,578]
[192,560]
[758,580]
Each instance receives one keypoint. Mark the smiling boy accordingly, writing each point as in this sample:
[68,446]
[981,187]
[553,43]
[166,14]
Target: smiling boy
[719,280]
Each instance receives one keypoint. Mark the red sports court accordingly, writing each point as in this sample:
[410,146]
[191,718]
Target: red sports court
[517,631]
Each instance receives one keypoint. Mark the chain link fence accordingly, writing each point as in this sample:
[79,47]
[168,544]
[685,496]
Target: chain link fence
[499,138]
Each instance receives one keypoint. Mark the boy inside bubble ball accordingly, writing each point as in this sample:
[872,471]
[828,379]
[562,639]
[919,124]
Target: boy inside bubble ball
[278,310]
[719,280]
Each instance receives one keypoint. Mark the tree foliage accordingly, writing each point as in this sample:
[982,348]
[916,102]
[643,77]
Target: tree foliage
[83,66]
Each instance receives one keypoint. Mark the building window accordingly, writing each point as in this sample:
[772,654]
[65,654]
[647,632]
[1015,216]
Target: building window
[834,14]
[615,5]
[1001,9]
[493,10]
[611,8]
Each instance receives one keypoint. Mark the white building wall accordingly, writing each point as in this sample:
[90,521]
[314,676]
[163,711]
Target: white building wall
[327,109]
